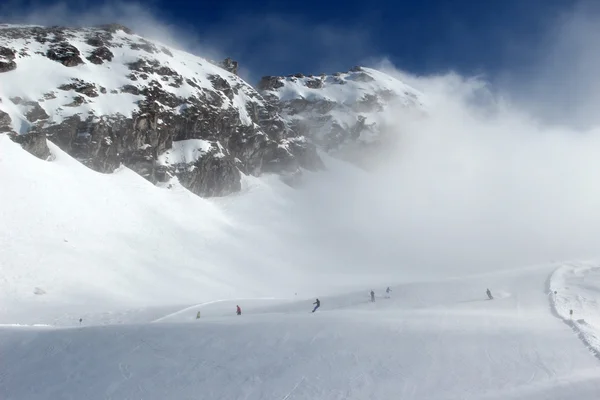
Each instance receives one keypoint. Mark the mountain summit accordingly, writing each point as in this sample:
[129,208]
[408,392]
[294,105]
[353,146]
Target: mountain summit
[109,97]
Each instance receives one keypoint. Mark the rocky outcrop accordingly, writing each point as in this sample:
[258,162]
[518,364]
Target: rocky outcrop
[34,142]
[212,175]
[34,111]
[7,57]
[100,55]
[229,65]
[5,122]
[65,53]
[344,113]
[138,110]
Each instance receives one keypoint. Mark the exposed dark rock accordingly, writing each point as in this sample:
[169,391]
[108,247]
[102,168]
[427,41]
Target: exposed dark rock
[34,142]
[221,85]
[89,89]
[7,53]
[6,66]
[5,122]
[356,69]
[298,75]
[130,89]
[145,46]
[36,112]
[165,71]
[192,84]
[95,41]
[212,175]
[270,83]
[77,101]
[16,100]
[144,65]
[314,83]
[101,54]
[229,65]
[66,54]
[306,154]
[6,59]
[254,141]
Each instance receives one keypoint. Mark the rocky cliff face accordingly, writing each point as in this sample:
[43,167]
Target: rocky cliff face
[347,114]
[109,97]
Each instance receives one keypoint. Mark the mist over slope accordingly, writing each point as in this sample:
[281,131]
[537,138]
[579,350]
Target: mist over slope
[477,182]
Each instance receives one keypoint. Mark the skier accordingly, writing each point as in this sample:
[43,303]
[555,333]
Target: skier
[388,290]
[489,294]
[318,304]
[372,296]
[238,311]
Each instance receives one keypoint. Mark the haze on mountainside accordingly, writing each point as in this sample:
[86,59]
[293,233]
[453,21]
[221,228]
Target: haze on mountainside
[473,185]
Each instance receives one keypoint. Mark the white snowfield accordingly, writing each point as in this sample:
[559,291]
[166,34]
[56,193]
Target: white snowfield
[436,340]
[136,263]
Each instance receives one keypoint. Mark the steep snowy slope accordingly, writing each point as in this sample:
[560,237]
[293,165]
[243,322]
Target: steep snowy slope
[108,96]
[440,340]
[345,113]
[74,241]
[576,288]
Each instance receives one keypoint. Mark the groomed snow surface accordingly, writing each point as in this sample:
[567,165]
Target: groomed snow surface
[138,262]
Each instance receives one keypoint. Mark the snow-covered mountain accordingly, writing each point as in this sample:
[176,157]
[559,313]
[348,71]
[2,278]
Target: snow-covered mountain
[113,286]
[344,113]
[108,96]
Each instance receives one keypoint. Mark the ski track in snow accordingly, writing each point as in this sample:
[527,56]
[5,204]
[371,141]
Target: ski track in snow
[577,288]
[432,340]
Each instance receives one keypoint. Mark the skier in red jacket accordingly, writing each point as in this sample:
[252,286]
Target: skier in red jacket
[239,310]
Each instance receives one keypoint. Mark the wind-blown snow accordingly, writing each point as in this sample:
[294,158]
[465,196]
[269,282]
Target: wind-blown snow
[185,151]
[86,241]
[348,88]
[365,96]
[116,250]
[576,288]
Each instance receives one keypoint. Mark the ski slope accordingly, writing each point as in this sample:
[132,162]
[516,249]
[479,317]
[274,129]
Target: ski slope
[434,340]
[102,277]
[75,243]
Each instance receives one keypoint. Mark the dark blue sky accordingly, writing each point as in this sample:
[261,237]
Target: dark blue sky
[426,36]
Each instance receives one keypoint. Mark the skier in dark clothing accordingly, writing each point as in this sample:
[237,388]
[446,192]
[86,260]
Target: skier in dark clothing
[238,311]
[372,296]
[317,305]
[489,294]
[388,290]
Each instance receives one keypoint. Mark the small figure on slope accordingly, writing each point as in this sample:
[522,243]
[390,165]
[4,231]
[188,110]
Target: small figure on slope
[388,290]
[317,305]
[372,296]
[238,311]
[489,294]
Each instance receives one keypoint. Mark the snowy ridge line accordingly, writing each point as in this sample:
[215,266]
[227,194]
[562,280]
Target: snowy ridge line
[200,305]
[26,326]
[563,301]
